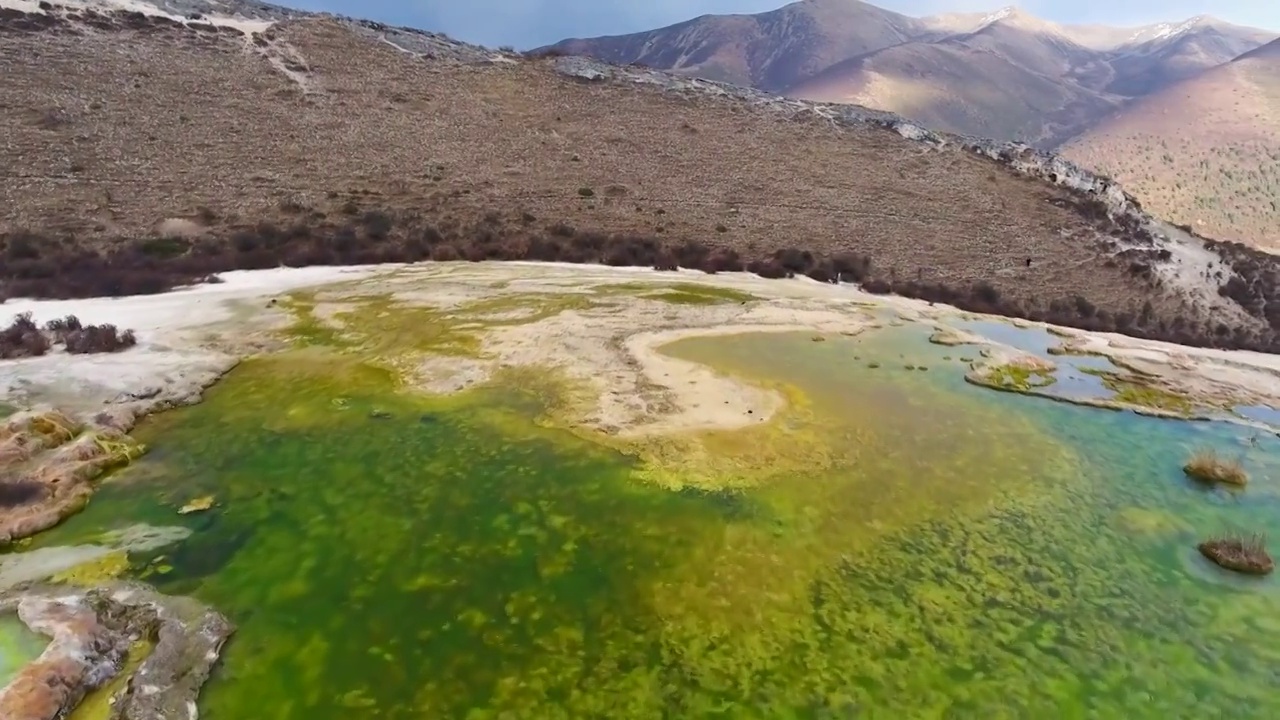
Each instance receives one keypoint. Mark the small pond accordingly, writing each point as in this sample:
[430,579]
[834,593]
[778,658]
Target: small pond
[19,645]
[1072,380]
[917,547]
[1260,413]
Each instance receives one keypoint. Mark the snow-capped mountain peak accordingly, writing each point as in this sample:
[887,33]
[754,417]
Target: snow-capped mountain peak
[1164,31]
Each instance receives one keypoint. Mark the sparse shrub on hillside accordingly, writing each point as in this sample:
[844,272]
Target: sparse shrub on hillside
[1255,285]
[60,328]
[22,339]
[823,272]
[794,261]
[850,267]
[666,262]
[99,339]
[377,224]
[771,269]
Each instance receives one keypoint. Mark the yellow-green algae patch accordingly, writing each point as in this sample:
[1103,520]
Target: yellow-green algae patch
[1149,522]
[107,567]
[96,705]
[1021,377]
[1142,395]
[379,326]
[19,645]
[953,553]
[678,293]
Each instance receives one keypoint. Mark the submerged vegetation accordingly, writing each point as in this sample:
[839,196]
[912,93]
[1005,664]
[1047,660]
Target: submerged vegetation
[1014,376]
[1130,391]
[676,293]
[1241,553]
[1207,466]
[694,294]
[893,543]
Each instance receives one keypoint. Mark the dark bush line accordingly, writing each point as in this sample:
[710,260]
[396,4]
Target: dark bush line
[23,338]
[31,265]
[1254,283]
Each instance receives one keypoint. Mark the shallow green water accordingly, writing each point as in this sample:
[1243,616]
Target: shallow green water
[19,645]
[957,553]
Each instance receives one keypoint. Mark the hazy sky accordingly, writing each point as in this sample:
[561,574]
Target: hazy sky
[530,23]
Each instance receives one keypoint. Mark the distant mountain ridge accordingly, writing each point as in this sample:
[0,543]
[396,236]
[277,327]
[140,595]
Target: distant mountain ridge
[1203,152]
[1005,74]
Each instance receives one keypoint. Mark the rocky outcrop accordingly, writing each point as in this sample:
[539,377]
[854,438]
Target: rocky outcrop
[92,632]
[189,639]
[48,464]
[86,650]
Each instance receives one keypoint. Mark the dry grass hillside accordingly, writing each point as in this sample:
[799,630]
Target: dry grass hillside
[986,84]
[1205,152]
[143,151]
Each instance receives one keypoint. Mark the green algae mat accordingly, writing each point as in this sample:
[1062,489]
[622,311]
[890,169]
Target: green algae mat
[915,548]
[19,645]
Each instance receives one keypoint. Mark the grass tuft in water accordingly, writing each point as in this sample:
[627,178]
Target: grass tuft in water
[1207,466]
[1241,553]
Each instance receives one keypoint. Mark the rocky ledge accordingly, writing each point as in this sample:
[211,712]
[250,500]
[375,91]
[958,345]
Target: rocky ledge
[52,454]
[48,465]
[93,631]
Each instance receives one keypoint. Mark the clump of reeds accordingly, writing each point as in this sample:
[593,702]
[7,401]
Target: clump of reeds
[1241,553]
[1207,466]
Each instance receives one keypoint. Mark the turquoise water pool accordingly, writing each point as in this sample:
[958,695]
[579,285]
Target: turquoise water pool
[957,553]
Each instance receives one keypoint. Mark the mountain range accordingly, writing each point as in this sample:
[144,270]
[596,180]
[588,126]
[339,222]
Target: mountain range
[1011,76]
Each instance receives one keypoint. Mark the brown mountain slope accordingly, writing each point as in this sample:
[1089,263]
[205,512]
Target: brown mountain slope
[140,151]
[1006,74]
[1001,81]
[771,51]
[1204,152]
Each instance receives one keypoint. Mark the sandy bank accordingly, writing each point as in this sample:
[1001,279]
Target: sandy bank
[610,340]
[187,339]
